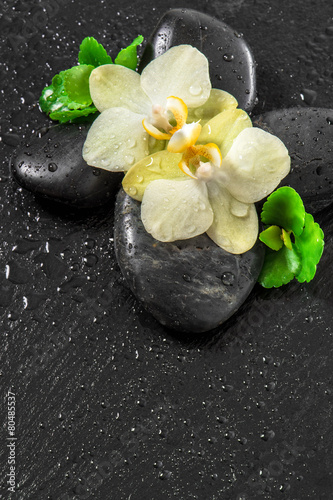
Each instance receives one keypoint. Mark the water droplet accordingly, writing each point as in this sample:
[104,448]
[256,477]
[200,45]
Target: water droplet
[132,190]
[199,113]
[309,96]
[165,475]
[191,228]
[228,57]
[195,90]
[52,167]
[267,435]
[90,243]
[270,386]
[131,143]
[187,278]
[230,435]
[228,279]
[96,171]
[129,159]
[90,259]
[139,179]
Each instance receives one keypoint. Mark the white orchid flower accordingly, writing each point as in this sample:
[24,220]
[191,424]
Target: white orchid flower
[210,187]
[117,139]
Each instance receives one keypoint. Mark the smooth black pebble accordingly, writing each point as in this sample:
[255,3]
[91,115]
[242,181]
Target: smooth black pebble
[51,166]
[189,285]
[231,63]
[308,135]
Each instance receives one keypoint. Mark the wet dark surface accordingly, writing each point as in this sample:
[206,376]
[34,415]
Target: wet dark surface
[308,135]
[50,165]
[110,404]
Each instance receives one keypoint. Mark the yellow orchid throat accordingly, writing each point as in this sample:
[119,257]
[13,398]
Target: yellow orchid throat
[180,136]
[159,118]
[203,170]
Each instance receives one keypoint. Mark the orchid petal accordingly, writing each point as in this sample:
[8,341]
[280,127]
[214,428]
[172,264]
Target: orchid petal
[161,165]
[235,225]
[176,209]
[224,128]
[116,140]
[255,165]
[184,138]
[113,86]
[154,132]
[182,71]
[211,152]
[218,101]
[179,110]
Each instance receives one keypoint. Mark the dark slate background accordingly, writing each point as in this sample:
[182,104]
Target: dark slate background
[109,404]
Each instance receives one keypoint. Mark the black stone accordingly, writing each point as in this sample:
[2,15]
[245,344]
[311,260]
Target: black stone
[51,166]
[190,285]
[231,63]
[308,135]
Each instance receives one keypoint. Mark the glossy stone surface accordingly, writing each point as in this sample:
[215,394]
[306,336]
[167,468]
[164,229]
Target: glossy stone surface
[232,66]
[51,166]
[308,135]
[190,285]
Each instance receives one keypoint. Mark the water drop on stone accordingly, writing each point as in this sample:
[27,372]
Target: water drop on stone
[52,167]
[228,278]
[228,57]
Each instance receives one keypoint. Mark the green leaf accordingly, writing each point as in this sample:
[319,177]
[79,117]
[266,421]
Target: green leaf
[128,57]
[55,102]
[64,114]
[93,53]
[272,237]
[284,208]
[68,97]
[76,83]
[310,246]
[279,267]
[286,238]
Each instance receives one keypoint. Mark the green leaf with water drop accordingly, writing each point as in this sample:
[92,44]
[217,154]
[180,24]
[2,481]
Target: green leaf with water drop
[55,102]
[128,57]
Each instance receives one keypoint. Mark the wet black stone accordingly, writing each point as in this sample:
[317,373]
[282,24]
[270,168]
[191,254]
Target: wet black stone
[190,285]
[232,66]
[51,166]
[308,135]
